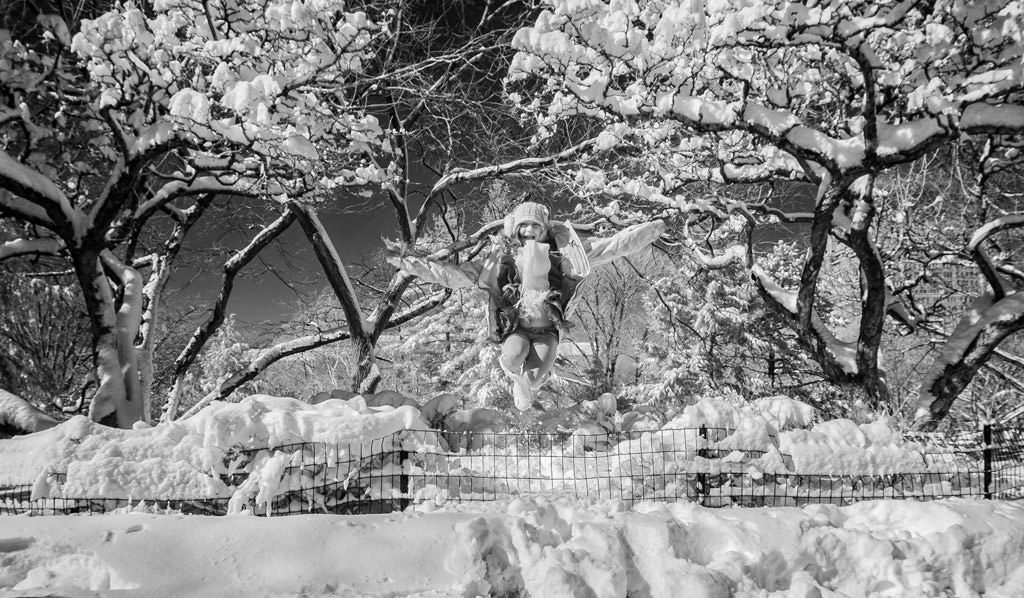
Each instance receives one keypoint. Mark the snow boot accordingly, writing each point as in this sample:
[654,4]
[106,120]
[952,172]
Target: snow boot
[522,394]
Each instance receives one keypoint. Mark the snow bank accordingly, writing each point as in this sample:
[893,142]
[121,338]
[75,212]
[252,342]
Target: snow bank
[555,548]
[845,447]
[782,424]
[769,452]
[537,547]
[188,458]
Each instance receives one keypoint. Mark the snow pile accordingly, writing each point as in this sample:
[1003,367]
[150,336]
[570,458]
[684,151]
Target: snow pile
[881,549]
[188,458]
[716,452]
[746,425]
[781,424]
[775,413]
[844,446]
[536,547]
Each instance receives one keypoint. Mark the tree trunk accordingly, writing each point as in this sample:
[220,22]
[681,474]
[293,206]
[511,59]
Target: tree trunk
[8,375]
[110,404]
[873,296]
[820,227]
[811,332]
[129,319]
[153,292]
[367,375]
[364,331]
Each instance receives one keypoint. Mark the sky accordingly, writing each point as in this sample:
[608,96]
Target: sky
[356,226]
[555,544]
[356,234]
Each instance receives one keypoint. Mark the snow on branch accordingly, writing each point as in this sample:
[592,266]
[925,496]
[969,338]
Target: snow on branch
[737,254]
[26,202]
[987,118]
[786,71]
[18,414]
[461,175]
[19,247]
[229,184]
[284,119]
[32,185]
[970,346]
[788,217]
[18,207]
[843,354]
[990,228]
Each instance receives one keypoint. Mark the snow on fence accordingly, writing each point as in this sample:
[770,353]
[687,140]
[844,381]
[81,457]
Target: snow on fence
[710,466]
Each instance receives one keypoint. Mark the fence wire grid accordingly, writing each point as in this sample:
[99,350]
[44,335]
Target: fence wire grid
[698,465]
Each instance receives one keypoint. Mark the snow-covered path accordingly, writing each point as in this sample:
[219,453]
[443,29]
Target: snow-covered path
[530,547]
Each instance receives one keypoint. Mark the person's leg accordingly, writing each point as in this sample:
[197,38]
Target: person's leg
[543,351]
[514,352]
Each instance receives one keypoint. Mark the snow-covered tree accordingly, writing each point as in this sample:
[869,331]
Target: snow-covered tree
[435,82]
[449,350]
[155,110]
[710,331]
[442,350]
[928,212]
[833,94]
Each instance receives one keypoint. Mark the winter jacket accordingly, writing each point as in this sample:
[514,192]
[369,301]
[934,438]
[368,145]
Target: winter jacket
[504,312]
[496,273]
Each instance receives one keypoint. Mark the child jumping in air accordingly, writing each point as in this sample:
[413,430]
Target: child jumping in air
[531,278]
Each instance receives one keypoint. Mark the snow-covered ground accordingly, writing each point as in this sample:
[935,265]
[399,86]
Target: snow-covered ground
[530,547]
[551,543]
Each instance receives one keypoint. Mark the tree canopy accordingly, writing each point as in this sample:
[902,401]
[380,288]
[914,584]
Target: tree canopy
[725,118]
[834,94]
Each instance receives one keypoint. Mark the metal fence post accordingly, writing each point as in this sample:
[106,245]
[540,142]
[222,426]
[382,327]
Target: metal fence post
[986,457]
[702,478]
[403,480]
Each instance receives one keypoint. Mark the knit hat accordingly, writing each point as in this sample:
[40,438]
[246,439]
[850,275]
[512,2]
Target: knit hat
[529,212]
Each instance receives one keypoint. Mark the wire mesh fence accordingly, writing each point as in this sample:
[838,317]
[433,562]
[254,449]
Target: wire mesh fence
[17,500]
[709,466]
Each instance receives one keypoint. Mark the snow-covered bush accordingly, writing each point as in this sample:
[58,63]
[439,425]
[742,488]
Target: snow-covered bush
[710,334]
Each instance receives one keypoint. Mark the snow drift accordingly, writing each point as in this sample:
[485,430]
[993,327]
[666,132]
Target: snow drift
[537,547]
